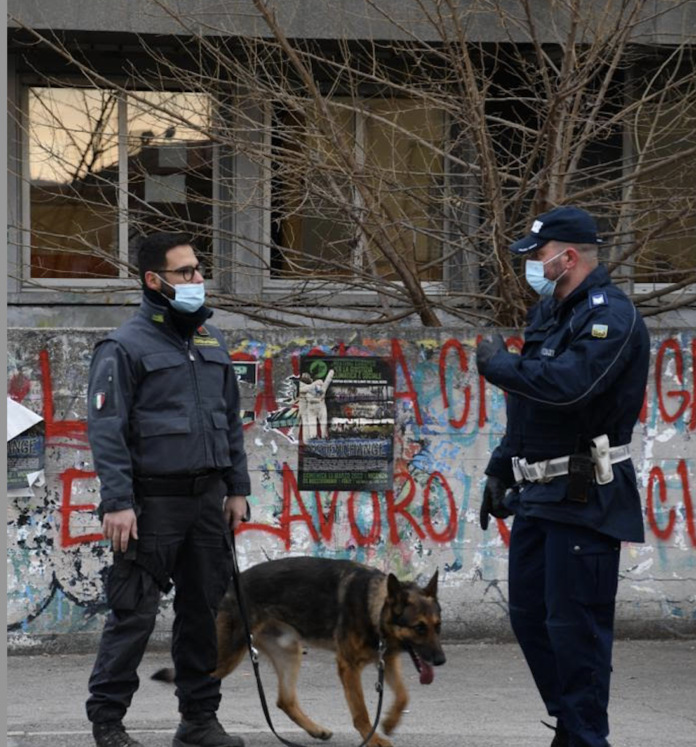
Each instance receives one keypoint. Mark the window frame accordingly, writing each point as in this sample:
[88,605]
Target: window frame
[124,282]
[226,245]
[317,285]
[639,289]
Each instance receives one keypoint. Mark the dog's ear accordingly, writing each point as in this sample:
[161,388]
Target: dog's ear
[394,590]
[431,589]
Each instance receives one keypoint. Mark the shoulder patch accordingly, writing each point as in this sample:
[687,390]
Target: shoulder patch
[600,330]
[210,342]
[598,298]
[202,331]
[158,318]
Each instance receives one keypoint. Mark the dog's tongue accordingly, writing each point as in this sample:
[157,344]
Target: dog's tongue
[426,674]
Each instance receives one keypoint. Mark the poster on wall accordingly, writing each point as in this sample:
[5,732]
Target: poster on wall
[247,371]
[346,412]
[25,456]
[25,449]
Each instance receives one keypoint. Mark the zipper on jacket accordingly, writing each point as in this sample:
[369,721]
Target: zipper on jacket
[199,408]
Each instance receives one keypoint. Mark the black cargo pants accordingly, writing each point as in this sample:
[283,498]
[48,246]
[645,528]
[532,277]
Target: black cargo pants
[187,536]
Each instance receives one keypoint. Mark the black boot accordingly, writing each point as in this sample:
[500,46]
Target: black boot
[562,738]
[112,734]
[204,731]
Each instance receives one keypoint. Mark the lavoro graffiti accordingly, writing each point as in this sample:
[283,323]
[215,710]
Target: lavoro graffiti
[447,421]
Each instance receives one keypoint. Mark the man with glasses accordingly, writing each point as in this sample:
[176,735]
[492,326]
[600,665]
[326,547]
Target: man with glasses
[167,442]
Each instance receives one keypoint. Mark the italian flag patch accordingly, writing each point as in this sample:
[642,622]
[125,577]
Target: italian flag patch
[99,400]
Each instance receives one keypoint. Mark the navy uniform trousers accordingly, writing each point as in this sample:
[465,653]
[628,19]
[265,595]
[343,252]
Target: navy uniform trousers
[189,538]
[563,581]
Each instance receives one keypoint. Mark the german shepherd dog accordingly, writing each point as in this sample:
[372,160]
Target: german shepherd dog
[338,605]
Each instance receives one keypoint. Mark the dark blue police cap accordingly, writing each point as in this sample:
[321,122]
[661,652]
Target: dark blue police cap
[569,224]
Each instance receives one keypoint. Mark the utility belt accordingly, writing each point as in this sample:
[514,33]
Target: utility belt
[191,484]
[582,468]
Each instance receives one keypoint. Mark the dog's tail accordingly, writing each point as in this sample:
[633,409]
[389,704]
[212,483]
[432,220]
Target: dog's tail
[166,674]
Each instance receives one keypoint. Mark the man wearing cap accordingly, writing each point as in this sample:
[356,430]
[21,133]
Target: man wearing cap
[563,467]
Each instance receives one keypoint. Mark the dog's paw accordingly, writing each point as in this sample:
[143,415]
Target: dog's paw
[321,733]
[389,724]
[379,741]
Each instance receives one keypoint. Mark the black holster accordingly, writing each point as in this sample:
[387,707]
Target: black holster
[123,562]
[150,564]
[580,477]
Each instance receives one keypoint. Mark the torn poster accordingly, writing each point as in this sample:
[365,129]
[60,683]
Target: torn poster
[25,449]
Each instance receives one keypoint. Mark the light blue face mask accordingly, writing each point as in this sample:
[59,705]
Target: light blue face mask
[188,297]
[534,275]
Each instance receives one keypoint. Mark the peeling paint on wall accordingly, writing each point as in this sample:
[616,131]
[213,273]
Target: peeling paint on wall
[447,422]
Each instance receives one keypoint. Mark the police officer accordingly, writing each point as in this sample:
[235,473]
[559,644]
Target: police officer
[563,467]
[166,436]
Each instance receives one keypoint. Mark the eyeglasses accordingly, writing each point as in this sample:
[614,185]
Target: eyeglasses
[188,272]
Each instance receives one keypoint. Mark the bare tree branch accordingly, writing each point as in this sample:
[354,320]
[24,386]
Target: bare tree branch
[363,182]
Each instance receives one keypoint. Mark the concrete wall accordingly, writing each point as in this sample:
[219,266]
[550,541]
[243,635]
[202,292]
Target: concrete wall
[447,423]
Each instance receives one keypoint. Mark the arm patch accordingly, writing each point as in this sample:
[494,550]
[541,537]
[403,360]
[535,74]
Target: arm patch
[102,395]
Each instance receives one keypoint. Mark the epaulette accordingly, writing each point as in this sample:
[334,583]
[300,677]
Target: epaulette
[598,298]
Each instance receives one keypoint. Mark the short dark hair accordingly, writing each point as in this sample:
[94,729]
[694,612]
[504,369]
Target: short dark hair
[589,250]
[152,250]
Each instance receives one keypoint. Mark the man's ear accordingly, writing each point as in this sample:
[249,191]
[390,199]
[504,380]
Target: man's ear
[573,257]
[153,281]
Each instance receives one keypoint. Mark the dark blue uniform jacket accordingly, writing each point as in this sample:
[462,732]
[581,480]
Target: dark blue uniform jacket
[582,373]
[162,405]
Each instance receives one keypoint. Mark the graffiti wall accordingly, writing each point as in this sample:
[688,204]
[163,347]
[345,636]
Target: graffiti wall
[446,421]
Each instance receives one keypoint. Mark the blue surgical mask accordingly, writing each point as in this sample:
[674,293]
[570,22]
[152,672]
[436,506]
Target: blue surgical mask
[188,297]
[534,275]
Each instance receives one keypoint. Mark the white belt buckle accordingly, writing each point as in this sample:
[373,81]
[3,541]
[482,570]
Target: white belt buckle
[537,471]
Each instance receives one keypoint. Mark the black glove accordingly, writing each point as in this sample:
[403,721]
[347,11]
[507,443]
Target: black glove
[487,348]
[493,495]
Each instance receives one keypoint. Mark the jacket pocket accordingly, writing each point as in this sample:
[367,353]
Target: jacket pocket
[217,365]
[159,361]
[165,445]
[594,570]
[164,426]
[164,378]
[215,355]
[221,441]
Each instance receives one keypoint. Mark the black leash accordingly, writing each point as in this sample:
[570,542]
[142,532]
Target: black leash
[254,656]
